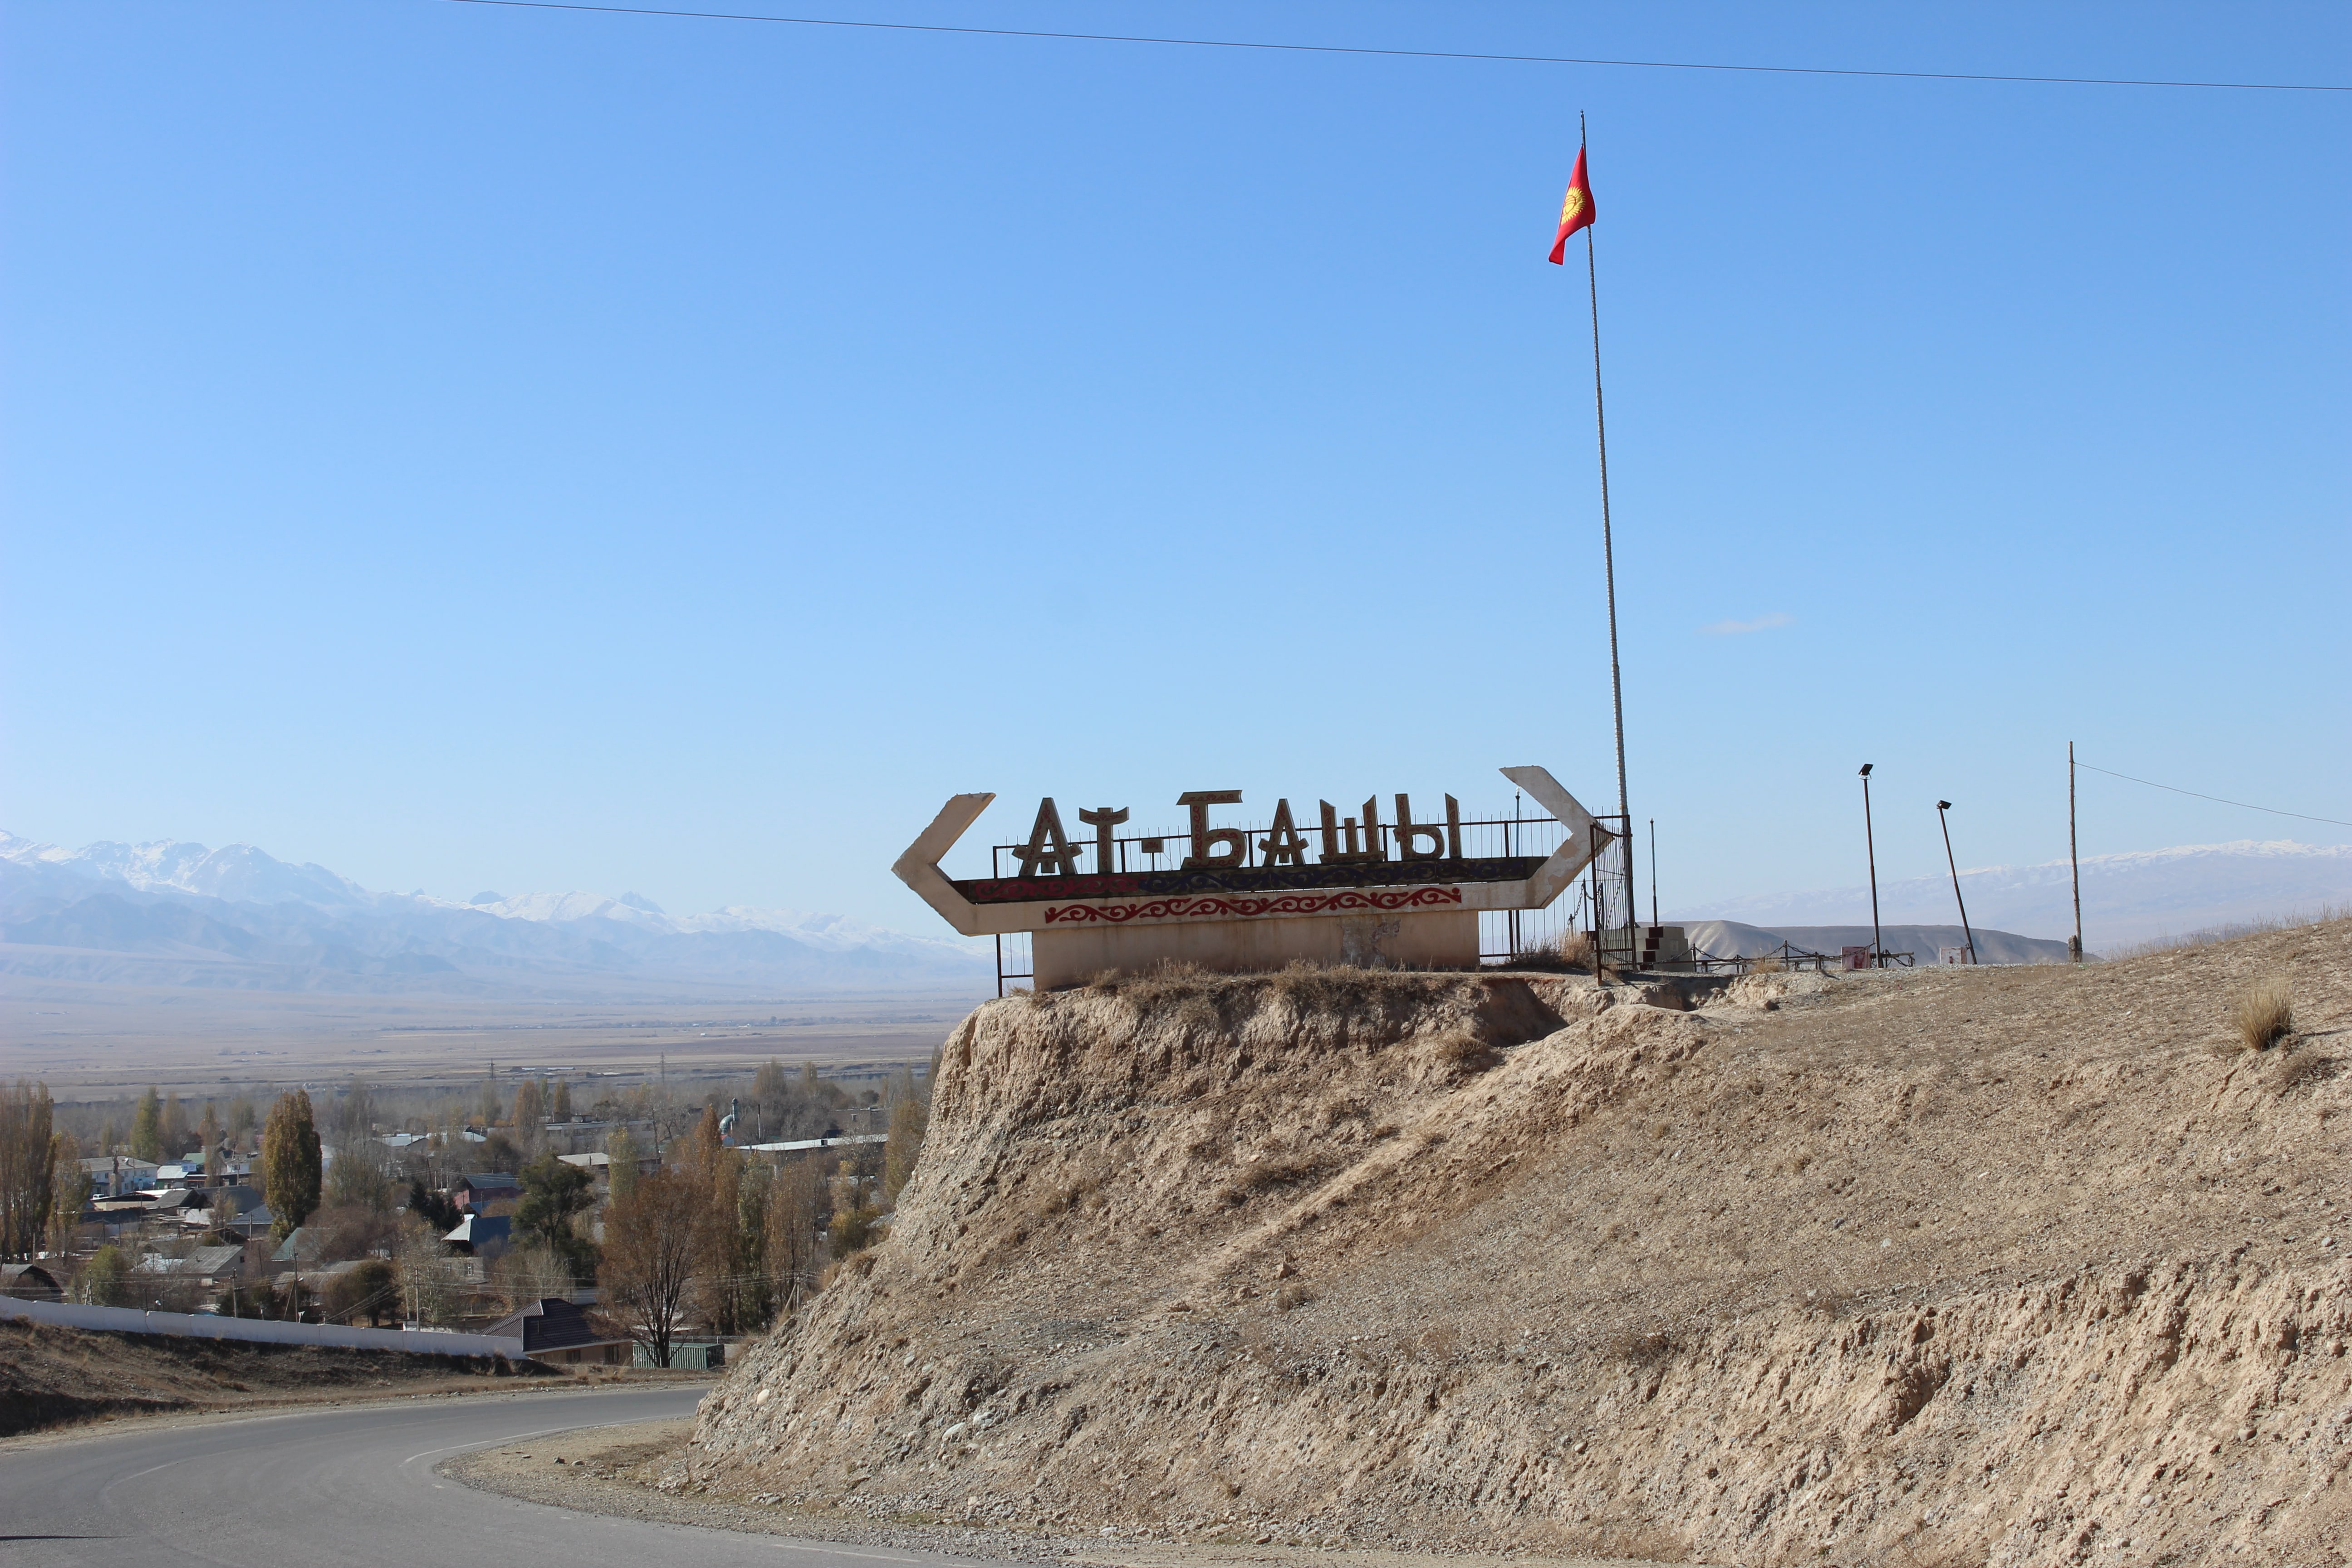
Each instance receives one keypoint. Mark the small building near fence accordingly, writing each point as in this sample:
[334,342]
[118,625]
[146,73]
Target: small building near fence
[475,1194]
[482,1234]
[559,1333]
[29,1282]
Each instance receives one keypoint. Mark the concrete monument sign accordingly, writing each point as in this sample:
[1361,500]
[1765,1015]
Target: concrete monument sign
[1348,888]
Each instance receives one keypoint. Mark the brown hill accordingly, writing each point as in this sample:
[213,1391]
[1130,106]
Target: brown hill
[2018,1265]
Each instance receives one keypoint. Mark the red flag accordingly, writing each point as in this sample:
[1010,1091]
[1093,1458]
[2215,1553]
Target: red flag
[1576,212]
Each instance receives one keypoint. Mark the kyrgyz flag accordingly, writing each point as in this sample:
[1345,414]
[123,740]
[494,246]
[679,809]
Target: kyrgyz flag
[1576,212]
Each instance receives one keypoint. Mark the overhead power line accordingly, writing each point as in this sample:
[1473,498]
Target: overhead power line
[2299,815]
[1399,54]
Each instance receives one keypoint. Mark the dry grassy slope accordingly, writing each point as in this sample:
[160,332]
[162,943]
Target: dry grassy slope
[1961,1265]
[55,1377]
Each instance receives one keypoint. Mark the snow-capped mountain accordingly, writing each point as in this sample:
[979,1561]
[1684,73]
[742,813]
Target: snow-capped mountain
[304,927]
[2129,898]
[238,872]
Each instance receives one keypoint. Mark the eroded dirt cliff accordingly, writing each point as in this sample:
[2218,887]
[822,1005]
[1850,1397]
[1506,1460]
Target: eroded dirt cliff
[2010,1265]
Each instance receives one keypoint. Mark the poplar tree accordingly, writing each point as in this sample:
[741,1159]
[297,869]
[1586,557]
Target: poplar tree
[289,1161]
[621,1175]
[530,1114]
[175,1127]
[147,1128]
[27,1169]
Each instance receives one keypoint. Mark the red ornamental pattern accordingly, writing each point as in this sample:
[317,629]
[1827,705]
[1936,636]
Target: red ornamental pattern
[1241,909]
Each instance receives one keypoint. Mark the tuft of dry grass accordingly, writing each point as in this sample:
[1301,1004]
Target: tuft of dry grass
[1570,953]
[2265,1013]
[1769,963]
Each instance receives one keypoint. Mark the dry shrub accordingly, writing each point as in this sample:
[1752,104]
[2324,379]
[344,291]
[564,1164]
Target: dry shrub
[1343,988]
[1464,1050]
[1641,1347]
[2294,1065]
[1283,1171]
[2265,1013]
[1769,963]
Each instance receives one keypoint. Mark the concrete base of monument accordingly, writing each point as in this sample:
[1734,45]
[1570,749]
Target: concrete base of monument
[1444,940]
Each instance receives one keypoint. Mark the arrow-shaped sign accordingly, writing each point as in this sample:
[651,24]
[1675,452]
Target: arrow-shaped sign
[918,867]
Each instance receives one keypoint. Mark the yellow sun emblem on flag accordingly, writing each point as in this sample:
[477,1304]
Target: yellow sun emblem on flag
[1572,206]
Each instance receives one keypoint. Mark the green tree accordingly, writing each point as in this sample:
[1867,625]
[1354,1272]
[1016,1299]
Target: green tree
[553,1192]
[373,1288]
[106,1282]
[436,1212]
[147,1128]
[27,1169]
[622,1150]
[558,1103]
[289,1161]
[489,1103]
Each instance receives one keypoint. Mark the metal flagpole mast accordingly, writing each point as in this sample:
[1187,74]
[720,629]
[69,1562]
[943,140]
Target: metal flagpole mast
[1608,546]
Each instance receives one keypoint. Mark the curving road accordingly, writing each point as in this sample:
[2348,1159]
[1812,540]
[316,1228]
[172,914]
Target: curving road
[351,1488]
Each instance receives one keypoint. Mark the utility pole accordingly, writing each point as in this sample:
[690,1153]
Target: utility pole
[1870,845]
[1654,871]
[1942,806]
[2073,859]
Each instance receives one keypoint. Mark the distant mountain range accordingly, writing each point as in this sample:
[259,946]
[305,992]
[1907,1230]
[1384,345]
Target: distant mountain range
[1730,939]
[178,914]
[173,913]
[2126,899]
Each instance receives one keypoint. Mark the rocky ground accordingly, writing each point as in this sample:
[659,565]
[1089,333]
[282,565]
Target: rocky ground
[632,1472]
[2008,1266]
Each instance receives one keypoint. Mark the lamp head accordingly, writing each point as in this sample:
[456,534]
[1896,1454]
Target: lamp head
[1943,806]
[1865,769]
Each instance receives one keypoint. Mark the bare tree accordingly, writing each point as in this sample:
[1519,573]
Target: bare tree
[796,1203]
[910,1118]
[650,1239]
[429,1275]
[69,1189]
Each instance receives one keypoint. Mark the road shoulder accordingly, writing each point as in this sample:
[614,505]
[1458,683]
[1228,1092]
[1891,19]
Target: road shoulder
[627,1472]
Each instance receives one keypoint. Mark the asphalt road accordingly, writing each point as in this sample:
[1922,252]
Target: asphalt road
[327,1488]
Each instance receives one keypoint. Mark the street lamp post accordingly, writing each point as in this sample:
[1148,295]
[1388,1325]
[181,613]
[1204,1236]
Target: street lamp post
[1942,806]
[1877,947]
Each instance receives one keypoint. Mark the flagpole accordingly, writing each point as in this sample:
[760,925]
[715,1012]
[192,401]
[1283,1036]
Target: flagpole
[1608,546]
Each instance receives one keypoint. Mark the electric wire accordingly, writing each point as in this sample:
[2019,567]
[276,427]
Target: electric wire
[1400,54]
[2245,805]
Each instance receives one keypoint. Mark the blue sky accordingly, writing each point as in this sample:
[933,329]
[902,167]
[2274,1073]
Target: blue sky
[481,448]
